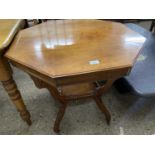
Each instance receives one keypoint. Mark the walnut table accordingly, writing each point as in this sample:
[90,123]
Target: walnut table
[65,55]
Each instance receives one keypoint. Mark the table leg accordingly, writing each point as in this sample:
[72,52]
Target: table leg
[54,92]
[59,117]
[12,90]
[103,108]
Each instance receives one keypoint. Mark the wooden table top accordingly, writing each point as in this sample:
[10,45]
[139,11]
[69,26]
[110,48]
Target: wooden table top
[8,29]
[72,47]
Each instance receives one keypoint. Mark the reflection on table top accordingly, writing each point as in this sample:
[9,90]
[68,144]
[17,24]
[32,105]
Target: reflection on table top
[8,29]
[68,47]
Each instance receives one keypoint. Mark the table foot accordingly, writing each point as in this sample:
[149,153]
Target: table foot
[25,115]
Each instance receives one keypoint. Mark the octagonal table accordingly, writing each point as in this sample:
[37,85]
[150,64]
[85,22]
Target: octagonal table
[67,52]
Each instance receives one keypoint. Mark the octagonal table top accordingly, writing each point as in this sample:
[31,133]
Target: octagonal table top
[71,47]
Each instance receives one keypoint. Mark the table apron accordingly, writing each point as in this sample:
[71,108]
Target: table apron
[94,76]
[73,79]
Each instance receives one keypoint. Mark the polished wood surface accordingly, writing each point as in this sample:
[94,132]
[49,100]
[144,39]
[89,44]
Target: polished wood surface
[70,47]
[8,29]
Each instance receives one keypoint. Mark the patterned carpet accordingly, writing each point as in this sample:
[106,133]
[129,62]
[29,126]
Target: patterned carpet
[130,114]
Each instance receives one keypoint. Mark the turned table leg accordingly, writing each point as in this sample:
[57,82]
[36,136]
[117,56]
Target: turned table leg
[12,90]
[15,96]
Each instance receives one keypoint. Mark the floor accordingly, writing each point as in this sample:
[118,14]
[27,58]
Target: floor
[130,114]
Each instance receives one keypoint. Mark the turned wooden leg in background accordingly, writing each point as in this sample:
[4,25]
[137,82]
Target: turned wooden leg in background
[11,89]
[103,108]
[16,98]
